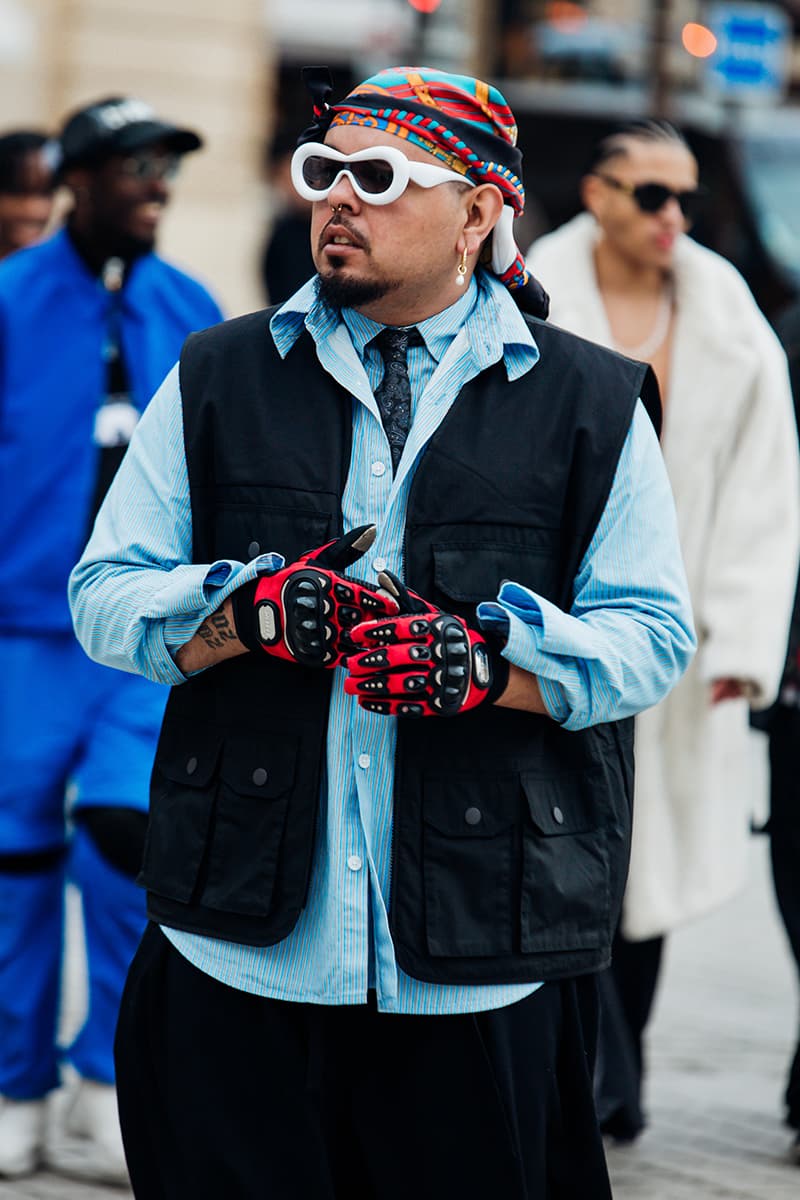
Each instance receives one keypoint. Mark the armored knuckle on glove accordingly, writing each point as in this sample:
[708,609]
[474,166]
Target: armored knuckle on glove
[304,612]
[424,665]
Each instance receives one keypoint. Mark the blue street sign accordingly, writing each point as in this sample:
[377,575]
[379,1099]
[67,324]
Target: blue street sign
[751,61]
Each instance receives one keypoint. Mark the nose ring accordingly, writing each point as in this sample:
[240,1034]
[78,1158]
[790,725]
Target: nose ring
[337,209]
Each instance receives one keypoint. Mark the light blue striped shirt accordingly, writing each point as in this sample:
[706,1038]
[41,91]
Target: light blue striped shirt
[137,598]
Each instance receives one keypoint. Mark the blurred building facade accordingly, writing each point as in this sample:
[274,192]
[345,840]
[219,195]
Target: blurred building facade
[195,61]
[614,40]
[232,72]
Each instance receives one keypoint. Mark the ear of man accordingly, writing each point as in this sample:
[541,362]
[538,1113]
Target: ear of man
[482,208]
[77,180]
[591,193]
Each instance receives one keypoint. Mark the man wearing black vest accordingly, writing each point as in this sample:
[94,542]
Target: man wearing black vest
[409,558]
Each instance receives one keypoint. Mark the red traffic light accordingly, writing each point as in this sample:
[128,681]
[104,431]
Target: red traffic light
[425,6]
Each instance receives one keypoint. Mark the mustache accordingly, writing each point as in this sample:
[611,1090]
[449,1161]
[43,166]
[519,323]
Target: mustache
[342,222]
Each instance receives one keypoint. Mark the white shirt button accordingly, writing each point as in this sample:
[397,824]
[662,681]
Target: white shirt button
[354,862]
[363,760]
[379,564]
[379,468]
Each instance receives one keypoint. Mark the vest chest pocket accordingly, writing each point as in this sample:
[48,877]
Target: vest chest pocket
[467,573]
[468,857]
[243,531]
[244,841]
[182,798]
[565,884]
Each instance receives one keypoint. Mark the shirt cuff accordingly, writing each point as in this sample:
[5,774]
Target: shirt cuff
[158,654]
[523,648]
[558,633]
[193,593]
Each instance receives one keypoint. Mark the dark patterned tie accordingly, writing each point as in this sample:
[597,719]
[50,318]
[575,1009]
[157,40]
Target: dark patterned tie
[393,394]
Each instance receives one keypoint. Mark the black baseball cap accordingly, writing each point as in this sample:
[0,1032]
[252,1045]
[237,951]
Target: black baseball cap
[118,125]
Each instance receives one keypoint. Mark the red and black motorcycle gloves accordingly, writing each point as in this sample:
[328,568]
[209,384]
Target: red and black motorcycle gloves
[304,613]
[424,662]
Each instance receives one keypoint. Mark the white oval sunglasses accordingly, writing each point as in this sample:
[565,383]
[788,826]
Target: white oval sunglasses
[378,174]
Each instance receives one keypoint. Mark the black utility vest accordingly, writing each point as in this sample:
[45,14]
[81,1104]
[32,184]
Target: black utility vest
[511,835]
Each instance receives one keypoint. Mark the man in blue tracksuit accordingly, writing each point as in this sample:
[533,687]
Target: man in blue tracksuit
[90,322]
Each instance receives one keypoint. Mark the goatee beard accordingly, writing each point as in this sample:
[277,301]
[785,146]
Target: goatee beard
[341,292]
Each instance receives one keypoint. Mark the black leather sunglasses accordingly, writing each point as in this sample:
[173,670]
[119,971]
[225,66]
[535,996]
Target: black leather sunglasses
[651,197]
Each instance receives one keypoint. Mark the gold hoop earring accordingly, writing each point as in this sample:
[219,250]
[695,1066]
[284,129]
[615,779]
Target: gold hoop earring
[461,269]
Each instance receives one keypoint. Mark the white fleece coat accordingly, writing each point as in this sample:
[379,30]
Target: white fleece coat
[730,448]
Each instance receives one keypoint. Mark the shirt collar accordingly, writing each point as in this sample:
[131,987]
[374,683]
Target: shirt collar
[496,328]
[437,331]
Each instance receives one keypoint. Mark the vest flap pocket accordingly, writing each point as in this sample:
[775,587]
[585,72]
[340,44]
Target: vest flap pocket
[467,850]
[565,871]
[471,572]
[245,530]
[559,806]
[244,847]
[191,761]
[181,801]
[252,768]
[461,814]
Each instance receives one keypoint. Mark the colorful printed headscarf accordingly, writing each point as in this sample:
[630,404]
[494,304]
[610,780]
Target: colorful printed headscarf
[464,122]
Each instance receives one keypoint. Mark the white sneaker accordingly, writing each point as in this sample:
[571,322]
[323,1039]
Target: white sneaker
[88,1144]
[22,1126]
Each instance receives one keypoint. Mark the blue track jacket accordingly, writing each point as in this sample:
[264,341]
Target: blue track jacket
[53,320]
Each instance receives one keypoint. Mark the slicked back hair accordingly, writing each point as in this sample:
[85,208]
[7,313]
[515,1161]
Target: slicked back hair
[648,131]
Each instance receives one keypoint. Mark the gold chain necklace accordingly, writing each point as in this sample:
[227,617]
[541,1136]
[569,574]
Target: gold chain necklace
[655,338]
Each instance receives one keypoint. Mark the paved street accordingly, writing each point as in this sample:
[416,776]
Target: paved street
[721,1040]
[719,1050]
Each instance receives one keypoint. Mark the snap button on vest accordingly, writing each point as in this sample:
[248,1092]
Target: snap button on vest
[558,815]
[473,816]
[259,777]
[253,549]
[191,766]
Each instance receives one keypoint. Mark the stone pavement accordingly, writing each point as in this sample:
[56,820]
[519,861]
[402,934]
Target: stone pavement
[721,1039]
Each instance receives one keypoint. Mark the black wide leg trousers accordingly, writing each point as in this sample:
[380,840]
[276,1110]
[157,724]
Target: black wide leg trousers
[228,1096]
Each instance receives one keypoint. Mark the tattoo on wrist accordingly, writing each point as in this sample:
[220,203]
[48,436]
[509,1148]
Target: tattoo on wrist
[216,630]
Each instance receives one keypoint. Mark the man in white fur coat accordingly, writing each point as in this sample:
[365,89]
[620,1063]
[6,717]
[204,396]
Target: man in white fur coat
[625,274]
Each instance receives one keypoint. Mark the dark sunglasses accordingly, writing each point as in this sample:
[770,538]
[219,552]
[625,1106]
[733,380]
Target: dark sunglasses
[374,175]
[651,197]
[147,167]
